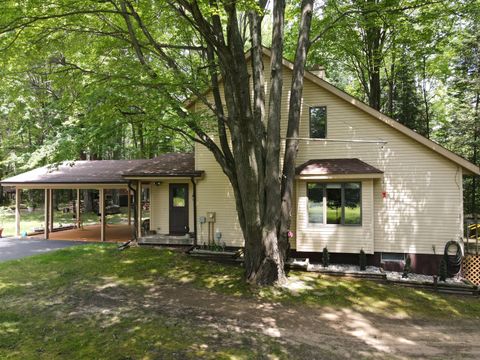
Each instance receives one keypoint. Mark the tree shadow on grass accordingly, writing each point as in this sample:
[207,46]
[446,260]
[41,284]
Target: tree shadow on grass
[78,300]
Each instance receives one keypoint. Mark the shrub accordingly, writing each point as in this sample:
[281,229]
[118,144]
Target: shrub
[363,260]
[325,257]
[407,268]
[442,271]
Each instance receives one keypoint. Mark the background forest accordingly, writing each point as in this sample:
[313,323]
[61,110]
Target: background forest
[71,87]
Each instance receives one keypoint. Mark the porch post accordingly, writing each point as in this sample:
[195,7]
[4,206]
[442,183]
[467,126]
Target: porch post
[18,193]
[77,205]
[47,214]
[50,206]
[194,185]
[129,211]
[101,208]
[139,209]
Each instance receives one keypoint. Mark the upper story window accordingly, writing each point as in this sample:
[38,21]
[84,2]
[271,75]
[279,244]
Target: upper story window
[318,122]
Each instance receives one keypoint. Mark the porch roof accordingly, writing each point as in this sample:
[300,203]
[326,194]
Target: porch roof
[105,171]
[167,165]
[336,167]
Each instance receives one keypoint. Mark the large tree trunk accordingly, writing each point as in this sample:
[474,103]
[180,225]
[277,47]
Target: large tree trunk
[250,154]
[291,145]
[374,40]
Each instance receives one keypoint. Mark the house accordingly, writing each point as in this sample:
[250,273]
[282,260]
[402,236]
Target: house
[363,181]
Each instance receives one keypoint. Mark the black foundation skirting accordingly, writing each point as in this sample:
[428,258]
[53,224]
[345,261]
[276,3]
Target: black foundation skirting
[421,263]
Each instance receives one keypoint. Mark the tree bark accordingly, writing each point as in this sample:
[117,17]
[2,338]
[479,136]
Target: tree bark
[271,267]
[291,145]
[250,154]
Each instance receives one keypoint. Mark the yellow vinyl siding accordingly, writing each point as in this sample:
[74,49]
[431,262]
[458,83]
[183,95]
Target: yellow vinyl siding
[214,193]
[423,206]
[160,206]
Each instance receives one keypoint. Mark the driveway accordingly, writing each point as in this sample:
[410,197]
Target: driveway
[15,248]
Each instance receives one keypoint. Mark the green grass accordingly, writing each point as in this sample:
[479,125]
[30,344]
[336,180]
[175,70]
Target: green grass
[86,302]
[36,219]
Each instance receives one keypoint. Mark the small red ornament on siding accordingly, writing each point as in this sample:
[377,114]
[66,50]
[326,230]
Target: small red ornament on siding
[384,194]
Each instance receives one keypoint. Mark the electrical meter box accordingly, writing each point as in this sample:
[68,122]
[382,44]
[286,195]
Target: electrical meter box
[211,217]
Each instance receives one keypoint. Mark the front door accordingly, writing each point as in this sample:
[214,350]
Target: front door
[178,209]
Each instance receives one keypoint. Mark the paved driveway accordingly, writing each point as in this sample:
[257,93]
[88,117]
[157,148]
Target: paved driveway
[14,248]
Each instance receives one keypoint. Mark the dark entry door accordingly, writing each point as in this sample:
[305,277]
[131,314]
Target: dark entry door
[179,209]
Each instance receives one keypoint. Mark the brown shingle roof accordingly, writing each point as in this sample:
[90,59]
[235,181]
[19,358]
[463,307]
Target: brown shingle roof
[173,164]
[336,167]
[77,172]
[107,171]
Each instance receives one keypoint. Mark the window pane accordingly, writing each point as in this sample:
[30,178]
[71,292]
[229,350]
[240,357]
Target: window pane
[179,197]
[353,213]
[334,203]
[318,122]
[392,257]
[315,203]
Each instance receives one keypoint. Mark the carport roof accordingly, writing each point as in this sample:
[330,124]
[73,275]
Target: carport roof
[105,171]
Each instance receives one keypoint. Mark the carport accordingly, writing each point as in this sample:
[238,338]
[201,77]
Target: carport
[101,175]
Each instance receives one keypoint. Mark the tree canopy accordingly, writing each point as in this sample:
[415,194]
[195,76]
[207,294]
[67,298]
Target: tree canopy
[109,80]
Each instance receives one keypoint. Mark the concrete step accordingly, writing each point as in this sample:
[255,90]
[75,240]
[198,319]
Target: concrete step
[161,239]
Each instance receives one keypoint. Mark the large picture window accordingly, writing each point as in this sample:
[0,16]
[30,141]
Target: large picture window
[318,122]
[341,202]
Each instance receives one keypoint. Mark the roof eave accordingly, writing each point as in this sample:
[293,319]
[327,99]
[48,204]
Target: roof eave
[197,174]
[357,176]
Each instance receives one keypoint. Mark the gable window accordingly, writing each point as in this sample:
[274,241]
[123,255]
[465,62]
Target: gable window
[318,122]
[340,202]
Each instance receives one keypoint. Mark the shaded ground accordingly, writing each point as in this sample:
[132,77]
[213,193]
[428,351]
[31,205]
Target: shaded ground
[13,248]
[95,302]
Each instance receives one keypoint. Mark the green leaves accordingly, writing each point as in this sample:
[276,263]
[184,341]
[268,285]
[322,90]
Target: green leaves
[70,79]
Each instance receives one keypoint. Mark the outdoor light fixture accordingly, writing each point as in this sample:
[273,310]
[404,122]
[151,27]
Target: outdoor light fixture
[158,183]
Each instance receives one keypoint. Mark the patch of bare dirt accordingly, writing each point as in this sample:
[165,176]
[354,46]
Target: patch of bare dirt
[308,331]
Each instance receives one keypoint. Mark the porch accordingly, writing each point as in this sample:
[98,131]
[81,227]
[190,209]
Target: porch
[102,177]
[114,233]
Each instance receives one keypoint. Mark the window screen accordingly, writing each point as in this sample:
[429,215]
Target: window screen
[315,203]
[352,209]
[334,203]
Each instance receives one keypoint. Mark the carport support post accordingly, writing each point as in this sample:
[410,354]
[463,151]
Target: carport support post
[50,207]
[139,209]
[101,205]
[47,213]
[18,193]
[129,205]
[78,209]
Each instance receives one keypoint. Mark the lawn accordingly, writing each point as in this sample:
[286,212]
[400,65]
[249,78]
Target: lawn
[36,219]
[94,301]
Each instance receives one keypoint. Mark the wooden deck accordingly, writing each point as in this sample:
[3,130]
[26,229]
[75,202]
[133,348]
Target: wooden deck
[114,233]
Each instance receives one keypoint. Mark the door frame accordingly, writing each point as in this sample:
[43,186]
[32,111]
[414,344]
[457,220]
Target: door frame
[170,209]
